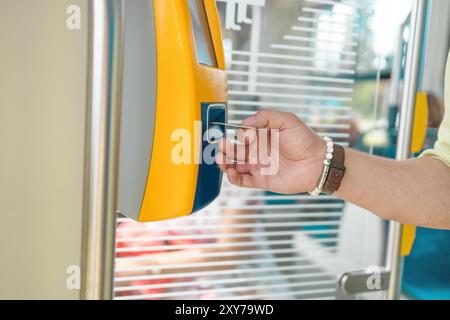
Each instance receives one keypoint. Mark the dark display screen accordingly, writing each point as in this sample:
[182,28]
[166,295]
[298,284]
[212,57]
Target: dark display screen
[203,41]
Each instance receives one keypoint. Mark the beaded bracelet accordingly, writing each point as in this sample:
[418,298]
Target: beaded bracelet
[326,167]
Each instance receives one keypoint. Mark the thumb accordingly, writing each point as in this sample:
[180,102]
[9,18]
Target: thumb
[272,120]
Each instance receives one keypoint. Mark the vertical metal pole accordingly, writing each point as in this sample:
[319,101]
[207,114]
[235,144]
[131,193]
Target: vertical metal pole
[255,40]
[394,261]
[102,146]
[396,69]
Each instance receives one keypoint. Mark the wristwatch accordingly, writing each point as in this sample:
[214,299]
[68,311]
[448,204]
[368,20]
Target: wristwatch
[336,171]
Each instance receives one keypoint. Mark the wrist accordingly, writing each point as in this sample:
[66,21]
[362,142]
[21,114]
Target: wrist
[336,172]
[317,164]
[333,169]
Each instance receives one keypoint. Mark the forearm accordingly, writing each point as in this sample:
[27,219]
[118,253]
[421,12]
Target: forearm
[414,192]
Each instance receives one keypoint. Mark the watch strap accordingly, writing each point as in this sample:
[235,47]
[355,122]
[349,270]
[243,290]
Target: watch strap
[337,171]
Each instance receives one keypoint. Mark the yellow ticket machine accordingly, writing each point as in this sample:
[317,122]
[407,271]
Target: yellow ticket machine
[174,82]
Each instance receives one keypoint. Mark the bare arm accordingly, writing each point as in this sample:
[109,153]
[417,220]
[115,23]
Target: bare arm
[414,192]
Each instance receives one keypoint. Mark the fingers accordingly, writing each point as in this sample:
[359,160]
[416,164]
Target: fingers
[233,151]
[225,163]
[221,161]
[239,153]
[243,180]
[272,120]
[242,175]
[247,180]
[258,154]
[246,168]
[246,137]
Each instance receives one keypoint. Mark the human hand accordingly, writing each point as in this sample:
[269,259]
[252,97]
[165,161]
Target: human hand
[300,154]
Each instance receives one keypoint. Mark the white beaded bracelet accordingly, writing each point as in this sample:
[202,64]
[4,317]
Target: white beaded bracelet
[326,167]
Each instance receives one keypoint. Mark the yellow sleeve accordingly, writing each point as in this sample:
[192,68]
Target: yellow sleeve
[441,150]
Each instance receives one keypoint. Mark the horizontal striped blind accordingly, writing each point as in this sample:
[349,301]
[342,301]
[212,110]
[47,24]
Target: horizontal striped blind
[252,244]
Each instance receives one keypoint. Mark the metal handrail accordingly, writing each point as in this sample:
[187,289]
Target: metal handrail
[102,147]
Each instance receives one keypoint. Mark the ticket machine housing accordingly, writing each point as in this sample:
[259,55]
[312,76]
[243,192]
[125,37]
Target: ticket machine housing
[174,71]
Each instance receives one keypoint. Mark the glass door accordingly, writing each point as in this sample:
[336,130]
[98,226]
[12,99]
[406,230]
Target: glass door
[335,64]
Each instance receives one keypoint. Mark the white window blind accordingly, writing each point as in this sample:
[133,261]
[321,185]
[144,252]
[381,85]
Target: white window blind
[297,56]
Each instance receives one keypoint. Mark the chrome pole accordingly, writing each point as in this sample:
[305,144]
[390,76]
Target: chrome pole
[102,147]
[394,261]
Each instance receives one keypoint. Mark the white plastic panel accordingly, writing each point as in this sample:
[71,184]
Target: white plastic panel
[42,134]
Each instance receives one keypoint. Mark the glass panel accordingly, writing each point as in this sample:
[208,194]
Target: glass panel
[203,41]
